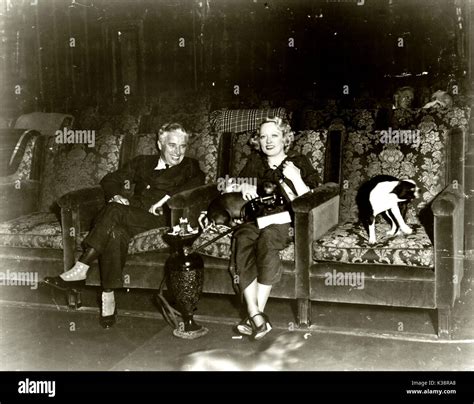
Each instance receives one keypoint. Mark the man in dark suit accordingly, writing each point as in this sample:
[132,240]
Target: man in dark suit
[156,179]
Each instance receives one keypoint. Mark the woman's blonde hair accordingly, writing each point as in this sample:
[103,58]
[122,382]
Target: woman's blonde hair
[282,125]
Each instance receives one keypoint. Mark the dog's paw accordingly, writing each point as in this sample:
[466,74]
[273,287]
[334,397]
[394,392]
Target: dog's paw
[406,230]
[391,232]
[372,240]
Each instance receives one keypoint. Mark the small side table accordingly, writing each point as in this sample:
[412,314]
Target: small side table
[185,278]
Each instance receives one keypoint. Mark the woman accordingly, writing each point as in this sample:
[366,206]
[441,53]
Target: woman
[256,250]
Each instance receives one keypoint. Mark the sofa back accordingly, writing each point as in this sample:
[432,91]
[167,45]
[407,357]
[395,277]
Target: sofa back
[47,123]
[417,146]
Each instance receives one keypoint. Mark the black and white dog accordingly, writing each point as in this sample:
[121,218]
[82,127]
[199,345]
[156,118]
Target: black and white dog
[387,195]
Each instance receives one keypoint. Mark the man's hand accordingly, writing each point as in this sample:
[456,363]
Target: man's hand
[156,209]
[120,199]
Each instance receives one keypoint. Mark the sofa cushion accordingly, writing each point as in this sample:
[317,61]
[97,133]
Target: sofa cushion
[151,240]
[36,230]
[348,243]
[222,247]
[203,147]
[69,167]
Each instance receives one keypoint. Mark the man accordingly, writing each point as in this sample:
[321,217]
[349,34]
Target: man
[156,179]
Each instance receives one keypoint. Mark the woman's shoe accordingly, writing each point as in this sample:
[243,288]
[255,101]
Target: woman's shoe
[263,329]
[244,327]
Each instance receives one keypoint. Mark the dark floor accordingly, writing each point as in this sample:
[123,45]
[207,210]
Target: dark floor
[38,332]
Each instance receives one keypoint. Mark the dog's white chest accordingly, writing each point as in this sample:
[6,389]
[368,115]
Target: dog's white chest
[381,197]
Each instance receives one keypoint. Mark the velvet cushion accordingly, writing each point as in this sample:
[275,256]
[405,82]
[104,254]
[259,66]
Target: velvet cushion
[348,243]
[69,167]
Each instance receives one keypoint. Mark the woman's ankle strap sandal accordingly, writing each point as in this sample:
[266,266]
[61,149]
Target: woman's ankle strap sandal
[263,329]
[245,327]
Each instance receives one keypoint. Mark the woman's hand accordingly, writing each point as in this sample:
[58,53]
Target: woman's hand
[291,172]
[249,192]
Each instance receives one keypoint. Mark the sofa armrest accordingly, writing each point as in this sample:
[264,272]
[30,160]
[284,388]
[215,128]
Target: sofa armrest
[79,208]
[192,202]
[448,211]
[315,213]
[18,198]
[315,197]
[84,196]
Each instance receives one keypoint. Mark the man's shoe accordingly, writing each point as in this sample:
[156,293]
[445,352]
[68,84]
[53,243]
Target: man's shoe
[59,283]
[108,321]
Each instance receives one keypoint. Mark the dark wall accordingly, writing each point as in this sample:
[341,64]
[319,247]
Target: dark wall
[65,55]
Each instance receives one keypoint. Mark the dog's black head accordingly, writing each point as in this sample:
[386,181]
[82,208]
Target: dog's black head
[407,190]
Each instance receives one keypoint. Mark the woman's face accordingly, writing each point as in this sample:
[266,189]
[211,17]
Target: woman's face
[271,139]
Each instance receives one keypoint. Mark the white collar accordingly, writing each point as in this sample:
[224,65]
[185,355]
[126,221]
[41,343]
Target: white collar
[161,165]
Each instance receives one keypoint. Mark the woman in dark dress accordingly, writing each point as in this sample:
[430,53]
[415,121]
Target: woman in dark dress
[257,250]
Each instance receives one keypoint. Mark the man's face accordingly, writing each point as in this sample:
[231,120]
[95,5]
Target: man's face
[173,147]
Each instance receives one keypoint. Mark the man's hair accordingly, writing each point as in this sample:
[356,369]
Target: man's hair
[282,125]
[171,127]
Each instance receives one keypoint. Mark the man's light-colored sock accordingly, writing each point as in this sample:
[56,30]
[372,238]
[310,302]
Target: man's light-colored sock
[77,273]
[108,304]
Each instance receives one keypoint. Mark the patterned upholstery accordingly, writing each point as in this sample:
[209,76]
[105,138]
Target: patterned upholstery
[69,167]
[23,172]
[43,230]
[36,230]
[312,144]
[364,156]
[348,243]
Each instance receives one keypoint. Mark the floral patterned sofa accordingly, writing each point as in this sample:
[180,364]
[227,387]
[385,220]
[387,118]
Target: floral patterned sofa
[30,230]
[421,270]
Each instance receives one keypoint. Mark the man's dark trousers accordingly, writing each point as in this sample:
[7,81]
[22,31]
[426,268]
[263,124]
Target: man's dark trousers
[115,225]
